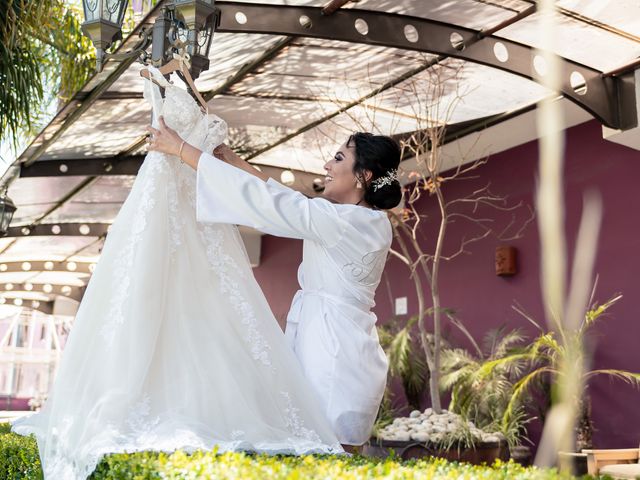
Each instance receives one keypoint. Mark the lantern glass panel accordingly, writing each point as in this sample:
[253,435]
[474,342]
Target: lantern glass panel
[204,40]
[5,220]
[91,10]
[7,209]
[113,10]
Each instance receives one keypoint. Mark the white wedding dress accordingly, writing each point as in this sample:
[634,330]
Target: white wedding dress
[174,345]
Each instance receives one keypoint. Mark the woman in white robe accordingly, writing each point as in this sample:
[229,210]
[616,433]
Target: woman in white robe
[346,236]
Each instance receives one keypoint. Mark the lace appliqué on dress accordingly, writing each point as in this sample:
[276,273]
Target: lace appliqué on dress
[138,417]
[124,263]
[176,221]
[221,264]
[295,424]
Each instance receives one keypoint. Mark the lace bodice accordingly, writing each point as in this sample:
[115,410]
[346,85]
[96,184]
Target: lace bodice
[184,114]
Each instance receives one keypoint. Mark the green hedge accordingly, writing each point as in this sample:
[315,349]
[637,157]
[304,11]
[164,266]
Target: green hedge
[19,460]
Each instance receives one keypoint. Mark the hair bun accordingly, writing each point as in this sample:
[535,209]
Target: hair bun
[385,197]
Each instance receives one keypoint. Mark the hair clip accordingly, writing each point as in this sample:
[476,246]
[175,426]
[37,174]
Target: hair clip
[390,177]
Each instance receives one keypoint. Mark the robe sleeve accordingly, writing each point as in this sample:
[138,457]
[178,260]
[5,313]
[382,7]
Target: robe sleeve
[227,194]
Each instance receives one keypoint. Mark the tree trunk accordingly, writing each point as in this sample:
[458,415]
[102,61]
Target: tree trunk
[434,380]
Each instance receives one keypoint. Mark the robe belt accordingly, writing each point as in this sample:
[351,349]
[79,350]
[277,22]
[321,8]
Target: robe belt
[363,318]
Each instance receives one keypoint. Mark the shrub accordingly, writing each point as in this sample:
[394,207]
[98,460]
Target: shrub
[19,460]
[19,457]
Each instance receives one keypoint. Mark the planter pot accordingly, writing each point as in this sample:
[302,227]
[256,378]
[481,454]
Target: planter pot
[521,454]
[484,452]
[578,462]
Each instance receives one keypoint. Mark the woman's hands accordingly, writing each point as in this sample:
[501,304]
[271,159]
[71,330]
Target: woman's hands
[164,140]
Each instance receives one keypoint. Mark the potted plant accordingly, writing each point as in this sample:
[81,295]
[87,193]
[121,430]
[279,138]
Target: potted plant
[523,372]
[445,434]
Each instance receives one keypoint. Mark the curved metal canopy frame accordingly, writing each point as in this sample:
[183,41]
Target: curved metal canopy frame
[37,266]
[27,288]
[585,86]
[41,306]
[62,229]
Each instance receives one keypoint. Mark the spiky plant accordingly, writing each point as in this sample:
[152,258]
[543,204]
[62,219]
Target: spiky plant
[483,399]
[536,364]
[406,360]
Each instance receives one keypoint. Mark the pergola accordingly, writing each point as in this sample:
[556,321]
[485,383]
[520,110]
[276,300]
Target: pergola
[293,79]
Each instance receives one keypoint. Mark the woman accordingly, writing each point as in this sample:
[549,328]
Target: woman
[346,240]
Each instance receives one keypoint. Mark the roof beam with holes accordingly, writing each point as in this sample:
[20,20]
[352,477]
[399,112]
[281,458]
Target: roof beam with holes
[121,165]
[60,230]
[583,85]
[44,307]
[29,288]
[129,165]
[47,266]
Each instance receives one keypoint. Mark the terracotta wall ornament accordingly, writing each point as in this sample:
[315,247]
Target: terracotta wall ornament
[506,261]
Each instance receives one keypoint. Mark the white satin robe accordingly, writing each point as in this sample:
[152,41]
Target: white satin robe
[330,325]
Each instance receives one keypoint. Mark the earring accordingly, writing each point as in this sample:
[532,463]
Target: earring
[358,183]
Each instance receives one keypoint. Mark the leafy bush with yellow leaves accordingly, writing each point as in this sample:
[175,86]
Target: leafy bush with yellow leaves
[19,460]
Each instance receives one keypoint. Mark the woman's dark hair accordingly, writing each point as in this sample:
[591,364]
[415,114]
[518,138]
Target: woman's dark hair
[381,156]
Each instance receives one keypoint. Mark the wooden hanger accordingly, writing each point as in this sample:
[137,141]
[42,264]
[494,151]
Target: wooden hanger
[177,64]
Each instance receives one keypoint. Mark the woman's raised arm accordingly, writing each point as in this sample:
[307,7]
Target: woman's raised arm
[237,193]
[226,194]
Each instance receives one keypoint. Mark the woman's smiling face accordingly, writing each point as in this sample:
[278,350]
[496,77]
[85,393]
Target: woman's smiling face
[340,182]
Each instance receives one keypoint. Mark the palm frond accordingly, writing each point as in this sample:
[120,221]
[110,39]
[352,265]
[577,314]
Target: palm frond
[43,57]
[510,340]
[398,352]
[596,311]
[519,389]
[490,367]
[628,377]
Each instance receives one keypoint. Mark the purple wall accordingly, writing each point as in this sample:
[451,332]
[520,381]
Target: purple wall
[278,273]
[484,301]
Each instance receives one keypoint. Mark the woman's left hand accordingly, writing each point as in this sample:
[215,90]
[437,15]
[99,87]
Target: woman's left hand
[164,139]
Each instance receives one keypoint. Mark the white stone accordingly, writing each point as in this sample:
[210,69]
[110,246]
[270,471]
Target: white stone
[414,414]
[420,437]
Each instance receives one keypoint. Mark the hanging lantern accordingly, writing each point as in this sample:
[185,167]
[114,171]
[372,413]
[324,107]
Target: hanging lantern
[195,12]
[103,24]
[186,26]
[7,209]
[200,18]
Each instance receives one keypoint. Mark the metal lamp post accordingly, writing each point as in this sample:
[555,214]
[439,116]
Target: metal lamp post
[7,209]
[183,26]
